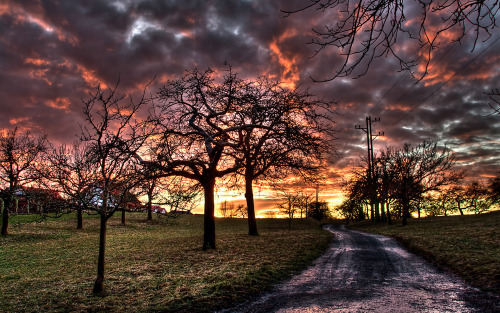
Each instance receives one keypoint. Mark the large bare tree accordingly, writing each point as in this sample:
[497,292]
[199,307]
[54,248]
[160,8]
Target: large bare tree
[292,133]
[364,30]
[18,155]
[200,125]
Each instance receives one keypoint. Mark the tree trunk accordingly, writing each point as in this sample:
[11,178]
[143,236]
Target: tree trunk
[98,285]
[406,210]
[5,215]
[388,210]
[377,212]
[123,216]
[150,213]
[382,212]
[460,209]
[252,223]
[79,217]
[209,215]
[150,204]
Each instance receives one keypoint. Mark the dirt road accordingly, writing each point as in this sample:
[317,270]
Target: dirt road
[370,273]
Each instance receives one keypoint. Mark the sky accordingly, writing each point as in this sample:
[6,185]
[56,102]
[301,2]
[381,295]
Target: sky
[52,53]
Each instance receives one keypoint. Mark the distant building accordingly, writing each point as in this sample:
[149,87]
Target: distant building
[29,200]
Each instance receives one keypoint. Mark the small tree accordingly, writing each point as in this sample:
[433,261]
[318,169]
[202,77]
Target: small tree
[112,135]
[477,197]
[70,170]
[319,210]
[288,205]
[418,170]
[494,188]
[18,156]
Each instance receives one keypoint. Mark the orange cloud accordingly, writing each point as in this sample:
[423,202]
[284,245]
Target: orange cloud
[22,15]
[40,74]
[37,62]
[290,73]
[59,103]
[19,120]
[88,76]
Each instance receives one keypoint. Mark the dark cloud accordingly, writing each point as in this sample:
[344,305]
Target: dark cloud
[53,52]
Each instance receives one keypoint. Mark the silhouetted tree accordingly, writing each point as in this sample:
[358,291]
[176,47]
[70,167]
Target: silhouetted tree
[356,195]
[18,155]
[494,188]
[70,170]
[112,135]
[457,197]
[364,30]
[179,196]
[232,210]
[291,133]
[207,127]
[201,125]
[419,170]
[476,195]
[304,202]
[288,204]
[319,210]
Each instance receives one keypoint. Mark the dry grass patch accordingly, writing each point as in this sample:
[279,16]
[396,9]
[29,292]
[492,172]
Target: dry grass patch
[155,266]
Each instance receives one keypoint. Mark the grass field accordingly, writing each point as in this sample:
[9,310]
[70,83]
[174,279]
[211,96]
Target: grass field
[468,245]
[155,266]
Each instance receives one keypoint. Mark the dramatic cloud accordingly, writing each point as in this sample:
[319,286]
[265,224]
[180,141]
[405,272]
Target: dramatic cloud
[52,53]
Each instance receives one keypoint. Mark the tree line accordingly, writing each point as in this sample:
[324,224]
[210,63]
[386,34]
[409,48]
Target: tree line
[194,131]
[414,179]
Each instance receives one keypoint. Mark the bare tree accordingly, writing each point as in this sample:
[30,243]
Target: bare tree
[292,133]
[225,209]
[364,30]
[112,135]
[356,196]
[476,195]
[494,188]
[70,171]
[202,125]
[18,155]
[288,204]
[233,210]
[419,170]
[457,198]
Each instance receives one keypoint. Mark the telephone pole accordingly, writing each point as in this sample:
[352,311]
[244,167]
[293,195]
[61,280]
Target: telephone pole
[370,160]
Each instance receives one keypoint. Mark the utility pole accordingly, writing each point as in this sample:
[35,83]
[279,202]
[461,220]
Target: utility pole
[371,162]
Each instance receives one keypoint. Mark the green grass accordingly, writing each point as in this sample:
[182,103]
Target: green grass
[468,245]
[154,266]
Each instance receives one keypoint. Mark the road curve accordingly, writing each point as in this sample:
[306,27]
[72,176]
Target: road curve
[370,273]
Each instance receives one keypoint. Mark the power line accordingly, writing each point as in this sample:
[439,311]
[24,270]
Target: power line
[450,47]
[442,85]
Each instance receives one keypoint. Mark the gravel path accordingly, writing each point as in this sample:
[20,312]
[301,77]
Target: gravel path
[370,273]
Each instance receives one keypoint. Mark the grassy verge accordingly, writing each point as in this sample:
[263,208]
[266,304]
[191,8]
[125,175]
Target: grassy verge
[154,266]
[467,245]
